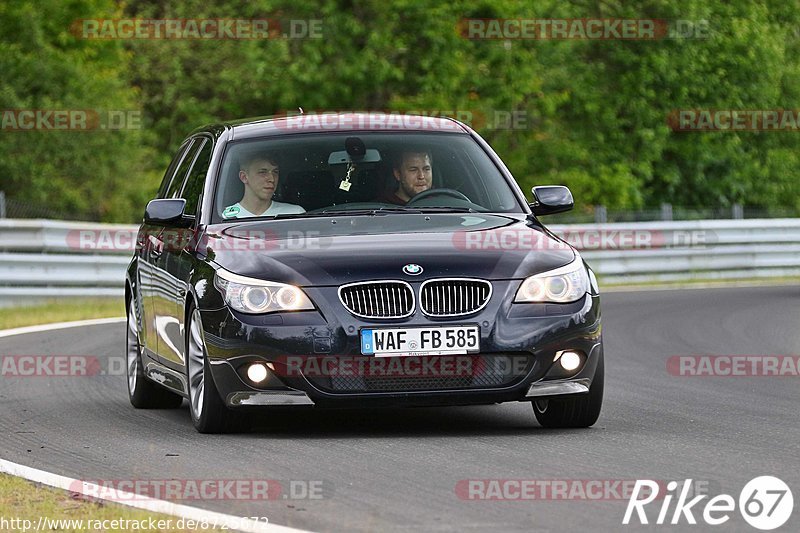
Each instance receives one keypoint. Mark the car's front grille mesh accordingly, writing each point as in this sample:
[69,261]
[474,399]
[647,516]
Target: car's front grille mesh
[454,297]
[480,373]
[379,299]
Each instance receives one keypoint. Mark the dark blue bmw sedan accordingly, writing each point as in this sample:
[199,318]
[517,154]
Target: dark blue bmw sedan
[355,260]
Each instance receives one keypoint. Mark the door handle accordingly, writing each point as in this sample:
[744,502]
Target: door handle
[155,248]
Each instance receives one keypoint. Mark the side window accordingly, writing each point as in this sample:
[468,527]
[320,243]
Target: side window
[175,185]
[193,187]
[170,173]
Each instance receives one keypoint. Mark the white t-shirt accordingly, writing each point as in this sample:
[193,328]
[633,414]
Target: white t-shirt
[276,208]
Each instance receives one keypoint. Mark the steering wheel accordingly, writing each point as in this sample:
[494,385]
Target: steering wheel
[439,192]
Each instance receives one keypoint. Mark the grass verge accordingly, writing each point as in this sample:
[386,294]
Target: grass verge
[23,504]
[61,311]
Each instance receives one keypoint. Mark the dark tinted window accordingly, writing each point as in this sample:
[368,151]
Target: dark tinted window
[193,186]
[174,189]
[170,173]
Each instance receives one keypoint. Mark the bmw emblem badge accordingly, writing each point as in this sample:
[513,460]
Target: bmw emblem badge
[412,270]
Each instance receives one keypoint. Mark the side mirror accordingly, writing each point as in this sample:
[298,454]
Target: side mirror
[167,212]
[550,199]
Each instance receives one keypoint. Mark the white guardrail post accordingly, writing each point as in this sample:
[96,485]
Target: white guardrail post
[41,259]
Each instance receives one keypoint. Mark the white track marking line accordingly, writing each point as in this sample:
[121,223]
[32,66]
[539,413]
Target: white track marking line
[94,492]
[60,325]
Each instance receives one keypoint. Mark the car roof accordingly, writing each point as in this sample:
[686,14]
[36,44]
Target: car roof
[297,122]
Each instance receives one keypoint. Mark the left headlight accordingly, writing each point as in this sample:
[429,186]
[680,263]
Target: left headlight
[251,295]
[562,285]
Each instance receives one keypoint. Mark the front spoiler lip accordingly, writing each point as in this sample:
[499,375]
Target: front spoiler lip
[268,398]
[558,388]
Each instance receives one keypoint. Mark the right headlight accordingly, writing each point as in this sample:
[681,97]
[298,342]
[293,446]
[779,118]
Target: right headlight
[561,285]
[251,295]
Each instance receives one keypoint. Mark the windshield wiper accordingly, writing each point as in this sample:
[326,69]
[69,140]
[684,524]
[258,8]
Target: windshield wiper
[375,212]
[333,212]
[445,209]
[400,209]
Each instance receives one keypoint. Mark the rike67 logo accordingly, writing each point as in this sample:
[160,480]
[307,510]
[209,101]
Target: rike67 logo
[765,503]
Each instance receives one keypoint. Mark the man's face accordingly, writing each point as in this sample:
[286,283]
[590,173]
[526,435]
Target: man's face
[261,178]
[414,175]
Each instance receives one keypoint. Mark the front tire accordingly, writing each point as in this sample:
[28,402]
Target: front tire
[143,393]
[576,412]
[209,413]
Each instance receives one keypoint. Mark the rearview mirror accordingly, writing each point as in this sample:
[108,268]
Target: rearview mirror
[167,212]
[550,199]
[340,158]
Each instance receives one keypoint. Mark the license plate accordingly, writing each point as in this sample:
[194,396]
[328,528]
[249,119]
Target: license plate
[444,340]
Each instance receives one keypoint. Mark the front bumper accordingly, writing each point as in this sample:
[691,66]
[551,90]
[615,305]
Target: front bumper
[528,333]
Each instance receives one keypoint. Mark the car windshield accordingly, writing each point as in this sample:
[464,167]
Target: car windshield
[359,174]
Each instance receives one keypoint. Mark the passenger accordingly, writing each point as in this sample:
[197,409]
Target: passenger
[260,174]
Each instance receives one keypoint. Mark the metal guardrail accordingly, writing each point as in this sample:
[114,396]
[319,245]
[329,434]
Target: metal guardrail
[676,251]
[42,259]
[46,259]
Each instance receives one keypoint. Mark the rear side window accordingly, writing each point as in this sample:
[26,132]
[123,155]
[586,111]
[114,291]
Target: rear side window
[173,166]
[193,186]
[174,188]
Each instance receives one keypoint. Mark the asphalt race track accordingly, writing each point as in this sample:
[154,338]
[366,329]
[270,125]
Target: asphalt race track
[397,470]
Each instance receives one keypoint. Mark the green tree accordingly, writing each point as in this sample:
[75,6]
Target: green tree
[97,174]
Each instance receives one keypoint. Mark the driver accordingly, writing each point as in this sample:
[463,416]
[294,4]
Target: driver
[260,174]
[413,173]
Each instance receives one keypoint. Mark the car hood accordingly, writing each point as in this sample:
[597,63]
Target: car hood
[331,251]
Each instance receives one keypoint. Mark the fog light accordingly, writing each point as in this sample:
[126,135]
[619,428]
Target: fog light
[257,372]
[570,361]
